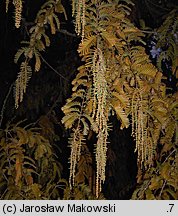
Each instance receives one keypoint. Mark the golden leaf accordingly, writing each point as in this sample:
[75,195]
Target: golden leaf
[18,169]
[121,115]
[29,179]
[85,46]
[165,171]
[109,38]
[155,183]
[36,190]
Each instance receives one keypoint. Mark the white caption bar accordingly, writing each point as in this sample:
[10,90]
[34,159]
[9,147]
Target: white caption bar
[89,207]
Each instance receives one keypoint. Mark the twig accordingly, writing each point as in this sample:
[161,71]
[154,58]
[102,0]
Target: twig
[164,184]
[169,156]
[52,68]
[148,32]
[145,188]
[3,194]
[63,31]
[4,104]
[157,171]
[53,106]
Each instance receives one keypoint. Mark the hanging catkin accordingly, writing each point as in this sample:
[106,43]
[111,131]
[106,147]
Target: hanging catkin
[140,130]
[100,92]
[78,11]
[18,12]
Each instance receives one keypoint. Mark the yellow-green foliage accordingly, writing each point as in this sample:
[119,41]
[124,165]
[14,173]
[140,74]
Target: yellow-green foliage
[117,75]
[160,181]
[39,40]
[29,169]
